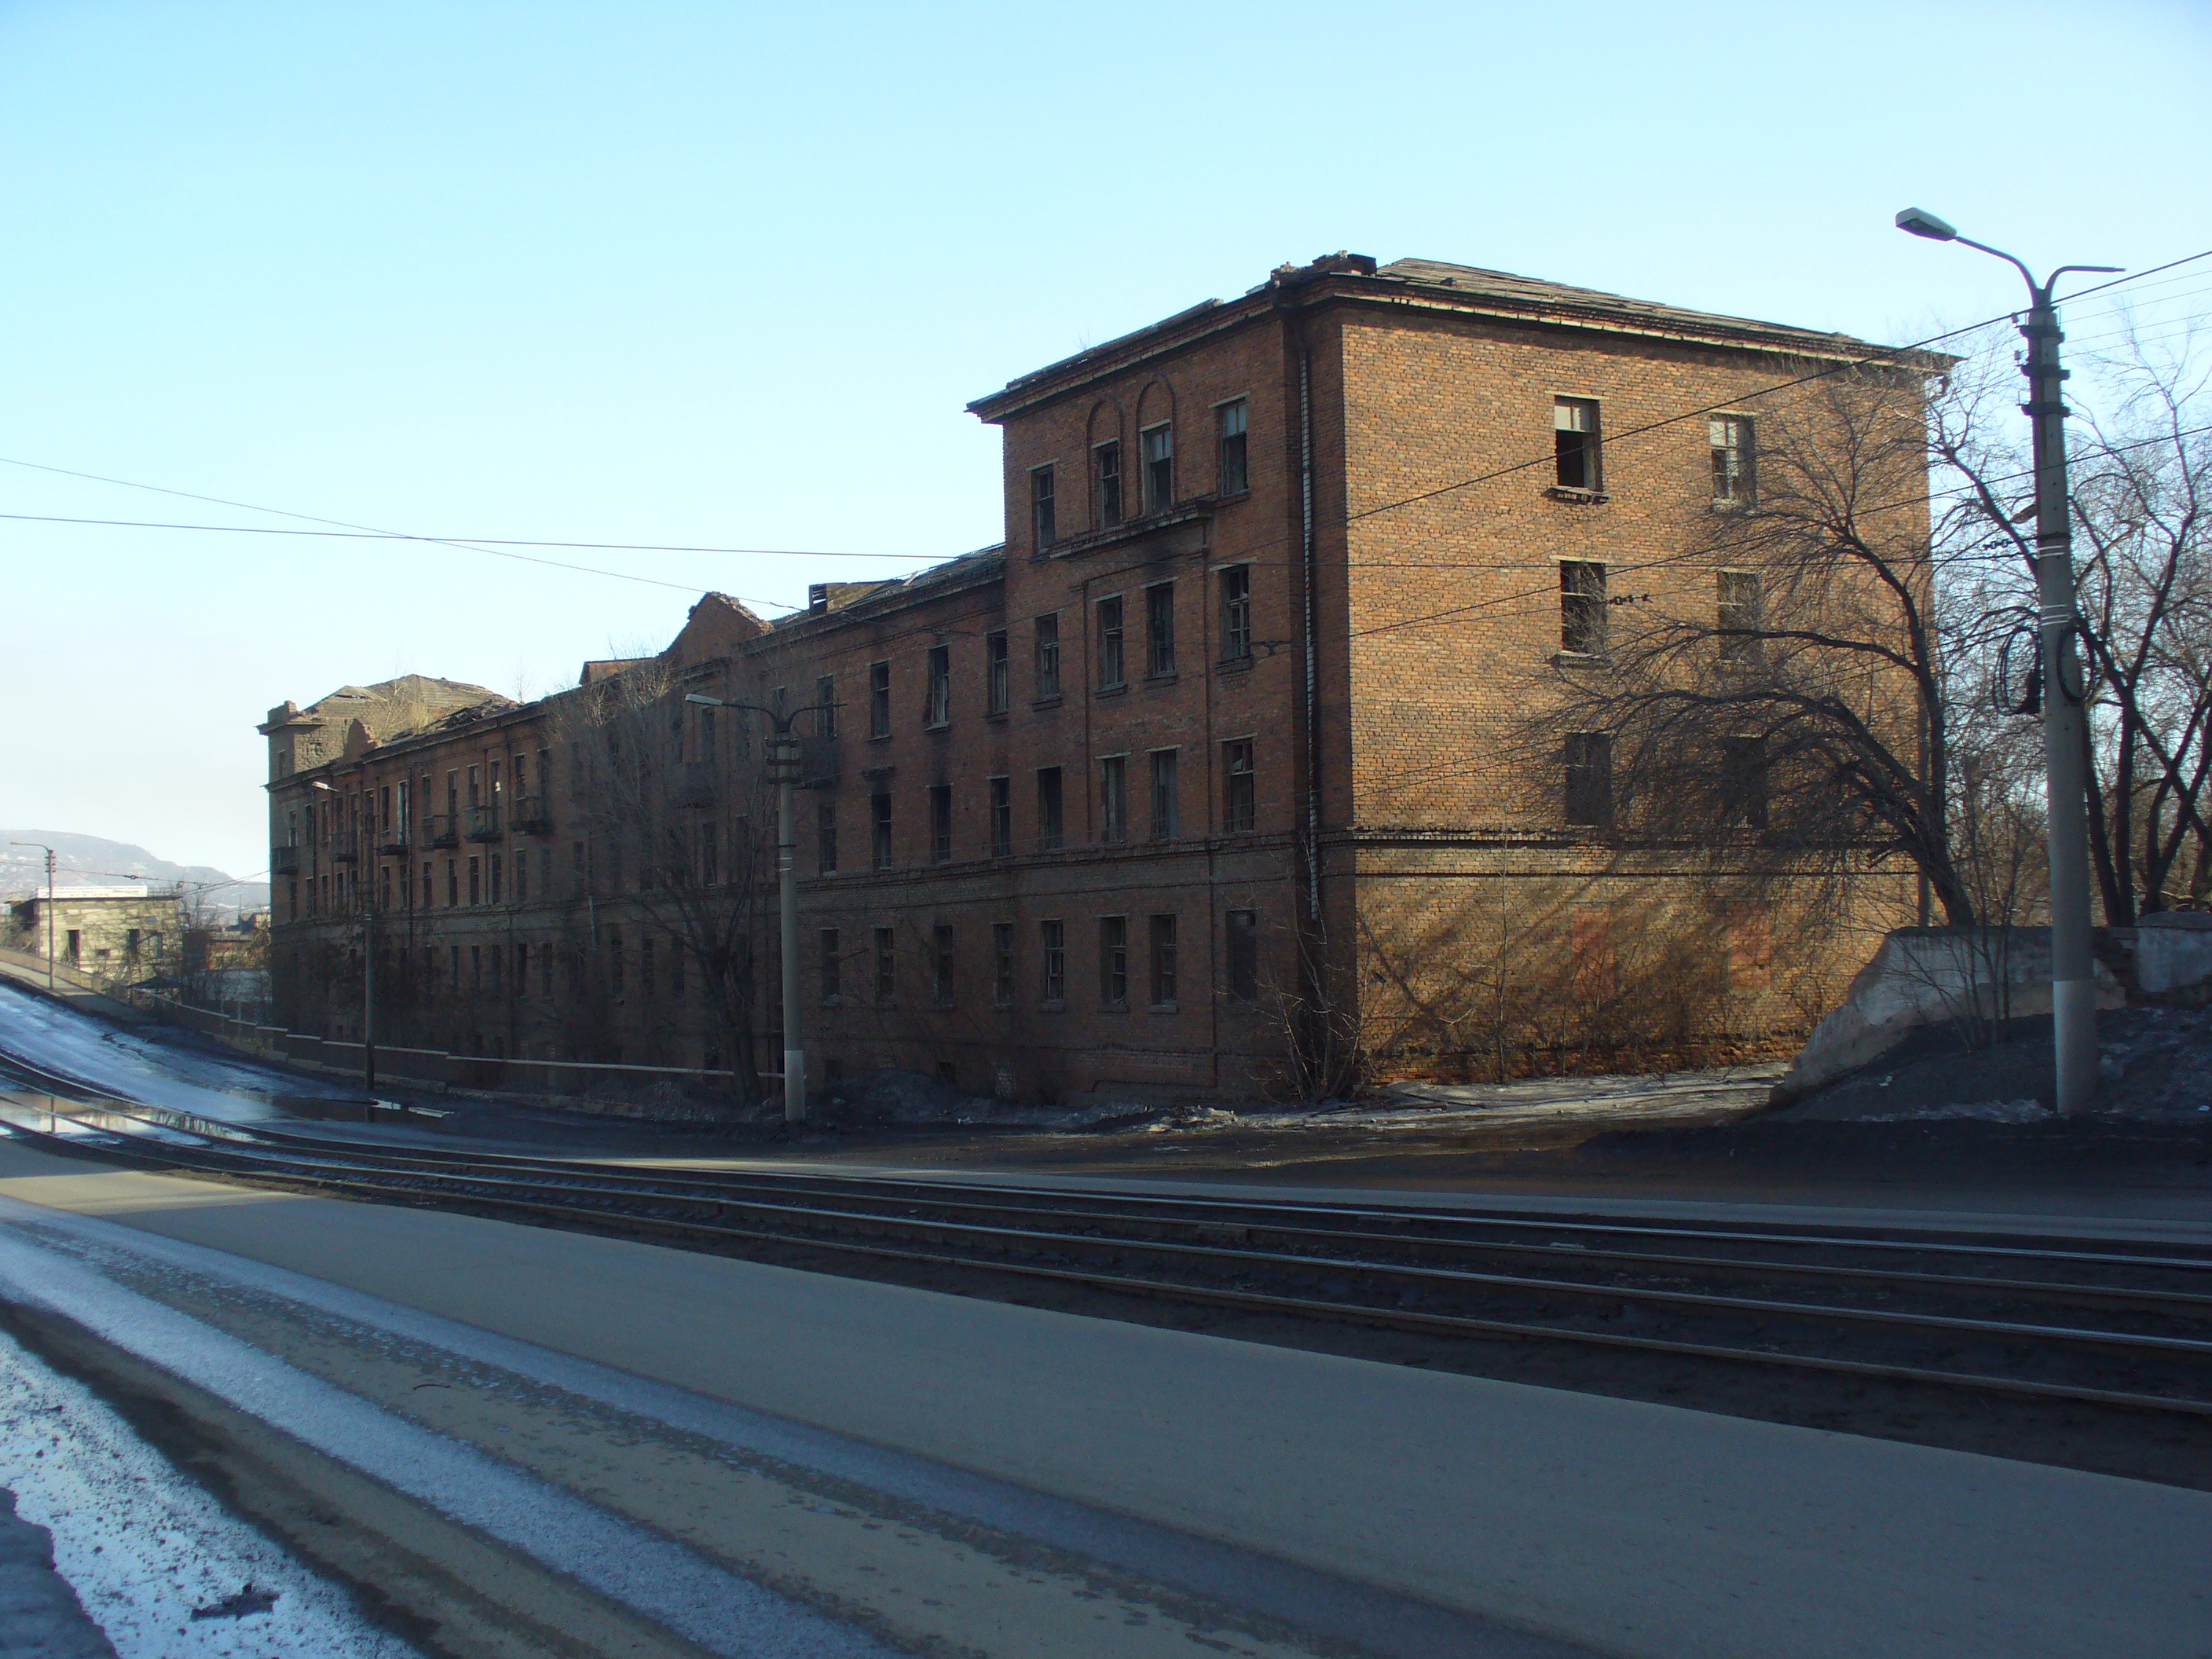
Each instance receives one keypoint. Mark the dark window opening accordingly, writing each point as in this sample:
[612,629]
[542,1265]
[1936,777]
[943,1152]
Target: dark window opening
[1114,961]
[1738,614]
[994,675]
[1164,802]
[825,837]
[1114,799]
[1589,779]
[879,700]
[886,965]
[879,808]
[1002,962]
[1243,954]
[1002,818]
[1164,961]
[1232,479]
[1110,667]
[1743,780]
[1159,628]
[1047,657]
[1042,520]
[1575,439]
[1052,961]
[1237,613]
[1158,443]
[1238,806]
[825,699]
[941,963]
[1106,478]
[1049,823]
[938,709]
[831,946]
[940,822]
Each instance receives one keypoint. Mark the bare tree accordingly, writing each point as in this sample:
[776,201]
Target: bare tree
[681,837]
[1780,700]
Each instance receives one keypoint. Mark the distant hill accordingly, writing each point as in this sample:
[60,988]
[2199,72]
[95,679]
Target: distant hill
[91,860]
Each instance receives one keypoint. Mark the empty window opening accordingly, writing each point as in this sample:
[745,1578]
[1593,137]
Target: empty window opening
[1050,821]
[1237,613]
[879,813]
[994,672]
[1047,657]
[1002,818]
[1165,805]
[1575,439]
[879,700]
[940,822]
[1242,956]
[1238,805]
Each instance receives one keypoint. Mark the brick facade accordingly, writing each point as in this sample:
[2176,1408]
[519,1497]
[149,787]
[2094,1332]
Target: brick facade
[1289,671]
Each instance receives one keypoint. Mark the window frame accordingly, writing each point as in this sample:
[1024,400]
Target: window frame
[1002,816]
[998,673]
[1046,664]
[1732,441]
[1583,607]
[883,855]
[1588,759]
[1162,940]
[830,953]
[1739,650]
[1165,766]
[1114,962]
[1044,512]
[1106,503]
[1052,809]
[1240,955]
[940,824]
[1240,787]
[1234,587]
[1110,630]
[879,700]
[1052,962]
[936,695]
[1578,447]
[1113,800]
[1002,964]
[1157,471]
[1160,631]
[1232,461]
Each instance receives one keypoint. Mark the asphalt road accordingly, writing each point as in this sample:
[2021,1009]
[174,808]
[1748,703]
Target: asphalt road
[1001,1453]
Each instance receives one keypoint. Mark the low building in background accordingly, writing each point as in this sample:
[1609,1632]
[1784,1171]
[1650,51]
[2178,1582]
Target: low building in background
[1204,783]
[129,935]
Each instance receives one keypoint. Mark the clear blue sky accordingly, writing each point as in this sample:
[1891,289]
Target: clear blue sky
[727,275]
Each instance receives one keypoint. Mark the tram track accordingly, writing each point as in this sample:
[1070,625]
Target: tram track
[2110,1324]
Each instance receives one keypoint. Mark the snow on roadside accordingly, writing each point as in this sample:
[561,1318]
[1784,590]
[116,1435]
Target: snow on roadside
[158,1564]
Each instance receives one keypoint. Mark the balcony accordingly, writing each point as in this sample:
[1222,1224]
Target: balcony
[438,830]
[530,814]
[283,860]
[698,784]
[392,842]
[346,852]
[481,823]
[818,762]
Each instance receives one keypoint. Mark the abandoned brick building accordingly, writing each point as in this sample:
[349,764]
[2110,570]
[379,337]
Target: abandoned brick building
[1211,759]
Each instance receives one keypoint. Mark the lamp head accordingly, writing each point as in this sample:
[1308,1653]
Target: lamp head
[711,702]
[1921,222]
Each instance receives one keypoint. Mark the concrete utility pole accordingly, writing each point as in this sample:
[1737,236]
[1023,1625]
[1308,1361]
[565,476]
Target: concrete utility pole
[49,852]
[783,772]
[2065,720]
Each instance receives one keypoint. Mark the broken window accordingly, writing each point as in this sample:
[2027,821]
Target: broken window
[940,822]
[1232,478]
[1582,607]
[1238,806]
[938,709]
[1110,667]
[1164,961]
[1589,779]
[1575,442]
[941,963]
[994,675]
[1243,954]
[1048,809]
[1114,961]
[1738,616]
[1114,799]
[879,700]
[1047,657]
[1743,781]
[1002,962]
[1164,802]
[1052,961]
[1237,613]
[1042,520]
[1734,478]
[1106,485]
[1158,443]
[1159,628]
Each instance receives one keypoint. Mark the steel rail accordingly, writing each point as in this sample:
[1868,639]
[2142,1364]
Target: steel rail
[328,1174]
[1338,1312]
